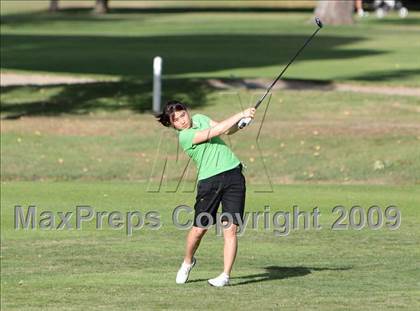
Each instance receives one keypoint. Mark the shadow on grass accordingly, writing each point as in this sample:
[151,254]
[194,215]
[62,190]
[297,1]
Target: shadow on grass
[275,273]
[85,98]
[127,94]
[212,9]
[136,95]
[129,56]
[387,75]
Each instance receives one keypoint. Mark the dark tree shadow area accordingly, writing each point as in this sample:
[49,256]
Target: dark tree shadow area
[210,9]
[126,94]
[131,59]
[182,54]
[79,99]
[275,273]
[387,75]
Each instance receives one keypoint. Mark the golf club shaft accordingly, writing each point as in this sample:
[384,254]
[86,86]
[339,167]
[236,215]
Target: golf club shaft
[285,68]
[245,121]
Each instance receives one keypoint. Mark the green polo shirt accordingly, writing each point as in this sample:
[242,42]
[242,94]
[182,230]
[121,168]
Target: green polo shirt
[212,156]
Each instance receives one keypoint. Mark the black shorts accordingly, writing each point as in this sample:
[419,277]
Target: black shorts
[227,187]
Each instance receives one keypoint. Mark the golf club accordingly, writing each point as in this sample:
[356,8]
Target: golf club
[246,121]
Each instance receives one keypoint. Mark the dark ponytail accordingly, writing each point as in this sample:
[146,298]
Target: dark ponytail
[171,106]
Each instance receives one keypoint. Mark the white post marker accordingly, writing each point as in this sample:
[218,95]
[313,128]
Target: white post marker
[157,84]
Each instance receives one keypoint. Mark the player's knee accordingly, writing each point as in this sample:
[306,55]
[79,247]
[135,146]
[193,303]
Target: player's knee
[199,232]
[229,229]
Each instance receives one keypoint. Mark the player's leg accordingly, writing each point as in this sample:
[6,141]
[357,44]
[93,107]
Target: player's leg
[193,241]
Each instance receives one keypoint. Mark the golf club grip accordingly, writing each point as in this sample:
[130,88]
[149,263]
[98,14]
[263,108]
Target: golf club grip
[244,122]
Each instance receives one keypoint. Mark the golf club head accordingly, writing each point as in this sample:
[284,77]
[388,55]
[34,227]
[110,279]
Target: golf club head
[318,22]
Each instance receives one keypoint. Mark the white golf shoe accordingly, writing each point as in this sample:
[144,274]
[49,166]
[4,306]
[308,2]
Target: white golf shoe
[221,280]
[184,272]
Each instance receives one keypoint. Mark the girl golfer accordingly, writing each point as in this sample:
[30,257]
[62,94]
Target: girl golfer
[220,179]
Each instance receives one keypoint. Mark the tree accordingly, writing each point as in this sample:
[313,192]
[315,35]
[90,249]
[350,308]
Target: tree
[335,12]
[101,7]
[53,6]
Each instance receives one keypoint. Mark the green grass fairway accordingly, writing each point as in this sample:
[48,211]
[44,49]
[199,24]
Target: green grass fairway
[310,136]
[317,270]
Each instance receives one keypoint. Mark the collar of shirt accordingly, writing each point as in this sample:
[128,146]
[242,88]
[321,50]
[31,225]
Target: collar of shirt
[195,124]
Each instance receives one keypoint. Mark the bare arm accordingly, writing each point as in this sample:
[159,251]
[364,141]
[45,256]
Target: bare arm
[230,131]
[222,127]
